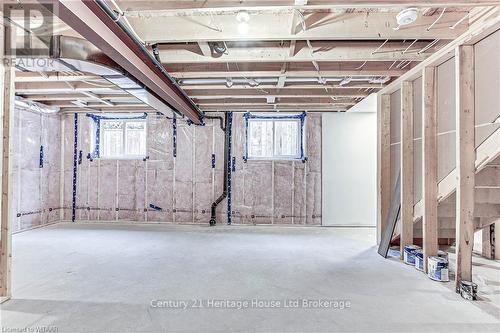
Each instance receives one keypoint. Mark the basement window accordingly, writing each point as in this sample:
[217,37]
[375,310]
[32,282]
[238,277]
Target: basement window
[119,138]
[273,137]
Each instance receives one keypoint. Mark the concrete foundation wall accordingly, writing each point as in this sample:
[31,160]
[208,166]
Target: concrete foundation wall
[35,189]
[263,192]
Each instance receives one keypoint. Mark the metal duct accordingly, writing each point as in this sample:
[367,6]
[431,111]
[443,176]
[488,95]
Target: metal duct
[76,54]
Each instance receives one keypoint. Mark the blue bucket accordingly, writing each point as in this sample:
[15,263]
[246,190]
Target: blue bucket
[419,260]
[437,269]
[409,254]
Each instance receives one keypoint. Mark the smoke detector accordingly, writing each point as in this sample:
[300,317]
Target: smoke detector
[407,16]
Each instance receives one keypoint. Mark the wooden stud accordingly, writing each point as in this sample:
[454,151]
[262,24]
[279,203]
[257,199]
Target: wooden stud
[384,162]
[486,244]
[496,241]
[7,76]
[406,165]
[466,157]
[429,164]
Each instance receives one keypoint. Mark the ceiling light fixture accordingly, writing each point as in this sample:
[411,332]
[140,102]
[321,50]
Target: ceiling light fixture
[243,17]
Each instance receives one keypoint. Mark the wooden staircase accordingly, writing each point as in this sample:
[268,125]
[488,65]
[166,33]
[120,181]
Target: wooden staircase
[487,197]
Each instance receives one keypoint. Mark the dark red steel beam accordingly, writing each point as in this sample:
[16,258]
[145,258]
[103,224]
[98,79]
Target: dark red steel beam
[95,25]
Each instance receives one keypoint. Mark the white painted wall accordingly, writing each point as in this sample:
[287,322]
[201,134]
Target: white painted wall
[349,170]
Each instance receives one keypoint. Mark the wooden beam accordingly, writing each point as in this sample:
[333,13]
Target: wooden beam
[190,7]
[303,73]
[204,48]
[62,87]
[243,104]
[67,104]
[406,165]
[7,76]
[496,241]
[305,85]
[384,162]
[466,157]
[267,26]
[429,163]
[284,92]
[297,51]
[55,77]
[72,97]
[273,107]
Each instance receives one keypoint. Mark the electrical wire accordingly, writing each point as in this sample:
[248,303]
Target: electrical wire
[436,21]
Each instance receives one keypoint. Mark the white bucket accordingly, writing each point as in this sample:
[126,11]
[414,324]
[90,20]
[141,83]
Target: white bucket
[437,269]
[419,260]
[409,254]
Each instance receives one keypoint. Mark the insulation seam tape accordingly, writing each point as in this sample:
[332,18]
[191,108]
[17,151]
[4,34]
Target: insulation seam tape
[301,116]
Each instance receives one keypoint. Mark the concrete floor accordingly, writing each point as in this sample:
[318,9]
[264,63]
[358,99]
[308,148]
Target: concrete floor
[102,278]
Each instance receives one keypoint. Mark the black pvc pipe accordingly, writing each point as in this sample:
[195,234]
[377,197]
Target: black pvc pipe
[213,217]
[221,121]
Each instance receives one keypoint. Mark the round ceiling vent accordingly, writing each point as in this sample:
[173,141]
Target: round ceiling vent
[407,16]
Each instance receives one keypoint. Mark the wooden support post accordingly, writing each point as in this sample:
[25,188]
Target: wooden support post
[406,165]
[496,241]
[6,110]
[429,164]
[486,243]
[384,162]
[466,158]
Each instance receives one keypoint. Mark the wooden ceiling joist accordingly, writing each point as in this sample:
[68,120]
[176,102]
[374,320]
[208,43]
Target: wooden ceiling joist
[280,52]
[283,92]
[303,73]
[185,7]
[276,26]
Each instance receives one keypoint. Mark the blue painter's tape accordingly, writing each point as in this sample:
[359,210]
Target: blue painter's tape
[233,164]
[97,121]
[301,116]
[123,117]
[155,207]
[41,157]
[75,168]
[213,161]
[174,136]
[229,172]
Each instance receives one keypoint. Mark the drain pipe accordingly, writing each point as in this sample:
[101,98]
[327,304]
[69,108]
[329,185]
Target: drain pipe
[213,219]
[221,121]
